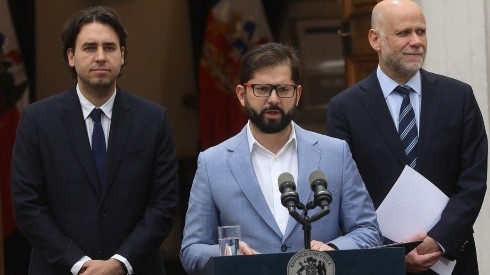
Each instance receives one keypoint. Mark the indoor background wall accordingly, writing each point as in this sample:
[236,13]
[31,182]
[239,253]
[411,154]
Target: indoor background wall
[159,65]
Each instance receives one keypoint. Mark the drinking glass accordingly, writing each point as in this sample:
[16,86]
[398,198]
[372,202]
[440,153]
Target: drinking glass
[229,240]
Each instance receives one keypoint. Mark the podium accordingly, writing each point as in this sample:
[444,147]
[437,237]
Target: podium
[380,261]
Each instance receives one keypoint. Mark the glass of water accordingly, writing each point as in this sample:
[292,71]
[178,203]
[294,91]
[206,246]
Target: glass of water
[229,240]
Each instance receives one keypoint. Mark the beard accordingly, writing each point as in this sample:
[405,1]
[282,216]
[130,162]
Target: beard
[401,68]
[101,84]
[395,61]
[269,126]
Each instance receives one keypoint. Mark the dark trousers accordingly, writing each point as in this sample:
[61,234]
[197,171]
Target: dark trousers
[17,252]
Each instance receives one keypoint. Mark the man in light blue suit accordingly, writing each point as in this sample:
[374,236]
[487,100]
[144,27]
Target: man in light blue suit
[236,181]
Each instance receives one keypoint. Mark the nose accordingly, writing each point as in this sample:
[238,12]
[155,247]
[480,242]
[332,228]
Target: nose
[416,40]
[273,97]
[100,54]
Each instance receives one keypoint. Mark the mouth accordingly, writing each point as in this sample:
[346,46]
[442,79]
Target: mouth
[273,114]
[414,57]
[415,53]
[100,70]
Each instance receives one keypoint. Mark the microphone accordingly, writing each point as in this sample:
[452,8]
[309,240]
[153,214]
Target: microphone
[289,197]
[318,183]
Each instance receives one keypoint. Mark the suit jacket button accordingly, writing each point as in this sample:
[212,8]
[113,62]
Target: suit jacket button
[102,213]
[284,248]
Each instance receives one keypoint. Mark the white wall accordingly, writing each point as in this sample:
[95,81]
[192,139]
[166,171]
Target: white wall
[458,35]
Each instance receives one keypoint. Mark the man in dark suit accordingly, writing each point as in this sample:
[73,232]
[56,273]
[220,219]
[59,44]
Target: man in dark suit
[84,208]
[448,143]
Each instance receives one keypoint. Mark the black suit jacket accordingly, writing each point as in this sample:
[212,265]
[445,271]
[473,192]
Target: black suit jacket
[452,152]
[60,206]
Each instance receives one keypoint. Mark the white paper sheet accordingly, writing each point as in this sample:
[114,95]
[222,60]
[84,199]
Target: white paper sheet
[413,205]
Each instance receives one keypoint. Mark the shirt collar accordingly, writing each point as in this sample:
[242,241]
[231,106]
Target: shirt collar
[388,85]
[87,106]
[252,142]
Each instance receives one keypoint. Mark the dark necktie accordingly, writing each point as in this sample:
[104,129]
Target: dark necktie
[407,126]
[98,145]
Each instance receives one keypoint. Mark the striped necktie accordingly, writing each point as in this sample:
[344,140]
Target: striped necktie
[407,126]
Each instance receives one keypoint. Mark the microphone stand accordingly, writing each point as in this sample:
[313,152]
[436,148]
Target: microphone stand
[305,220]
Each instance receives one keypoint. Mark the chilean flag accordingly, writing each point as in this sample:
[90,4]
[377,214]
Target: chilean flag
[232,27]
[13,97]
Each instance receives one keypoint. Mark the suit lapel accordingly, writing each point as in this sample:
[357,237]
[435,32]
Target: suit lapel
[118,134]
[431,103]
[308,161]
[240,163]
[77,131]
[373,100]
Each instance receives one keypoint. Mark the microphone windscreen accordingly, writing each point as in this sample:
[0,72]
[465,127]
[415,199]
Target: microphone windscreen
[285,177]
[317,175]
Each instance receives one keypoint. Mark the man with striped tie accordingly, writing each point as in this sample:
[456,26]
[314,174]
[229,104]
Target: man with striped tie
[403,115]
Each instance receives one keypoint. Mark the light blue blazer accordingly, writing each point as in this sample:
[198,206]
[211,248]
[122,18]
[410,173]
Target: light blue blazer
[225,191]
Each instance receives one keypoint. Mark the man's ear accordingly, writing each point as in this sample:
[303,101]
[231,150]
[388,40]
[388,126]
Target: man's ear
[374,39]
[240,93]
[71,57]
[123,49]
[299,90]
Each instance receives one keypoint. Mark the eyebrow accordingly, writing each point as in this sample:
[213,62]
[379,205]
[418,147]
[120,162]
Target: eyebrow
[86,44]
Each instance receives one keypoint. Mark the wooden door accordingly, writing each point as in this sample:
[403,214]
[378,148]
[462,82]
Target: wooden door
[360,58]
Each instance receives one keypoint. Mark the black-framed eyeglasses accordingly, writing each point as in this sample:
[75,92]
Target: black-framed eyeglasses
[265,90]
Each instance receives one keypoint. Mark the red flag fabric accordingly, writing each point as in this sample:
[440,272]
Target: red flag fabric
[232,27]
[13,97]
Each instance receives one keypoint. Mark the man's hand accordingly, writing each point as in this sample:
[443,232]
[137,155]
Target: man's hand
[428,246]
[317,245]
[99,267]
[424,255]
[245,249]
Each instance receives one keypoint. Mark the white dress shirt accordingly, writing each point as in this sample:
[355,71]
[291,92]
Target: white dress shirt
[268,166]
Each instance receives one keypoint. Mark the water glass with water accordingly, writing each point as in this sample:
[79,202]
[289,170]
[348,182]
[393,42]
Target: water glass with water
[229,240]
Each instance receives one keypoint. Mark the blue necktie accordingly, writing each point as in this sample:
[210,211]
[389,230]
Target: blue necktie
[98,145]
[407,126]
